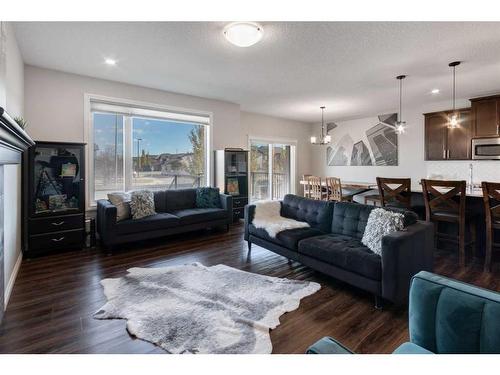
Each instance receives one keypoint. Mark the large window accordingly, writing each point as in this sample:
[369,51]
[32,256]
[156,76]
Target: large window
[141,148]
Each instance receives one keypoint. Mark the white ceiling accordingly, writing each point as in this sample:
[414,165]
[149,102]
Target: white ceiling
[348,66]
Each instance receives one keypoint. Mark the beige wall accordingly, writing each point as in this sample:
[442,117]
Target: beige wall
[276,129]
[54,104]
[14,103]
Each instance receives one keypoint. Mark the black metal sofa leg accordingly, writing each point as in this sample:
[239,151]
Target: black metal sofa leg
[379,302]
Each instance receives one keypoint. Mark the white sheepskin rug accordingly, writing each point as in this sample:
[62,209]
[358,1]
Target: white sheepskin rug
[267,216]
[198,309]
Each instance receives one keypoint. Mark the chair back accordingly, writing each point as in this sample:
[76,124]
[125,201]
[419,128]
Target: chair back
[444,196]
[491,197]
[315,188]
[394,191]
[305,178]
[333,189]
[451,317]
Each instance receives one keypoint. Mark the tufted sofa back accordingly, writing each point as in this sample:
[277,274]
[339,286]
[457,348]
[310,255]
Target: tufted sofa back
[447,316]
[350,219]
[317,213]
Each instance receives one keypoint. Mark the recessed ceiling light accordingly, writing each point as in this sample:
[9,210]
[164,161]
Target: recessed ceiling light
[110,61]
[435,91]
[243,34]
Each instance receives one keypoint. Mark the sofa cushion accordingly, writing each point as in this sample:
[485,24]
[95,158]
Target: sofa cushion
[208,197]
[180,199]
[199,215]
[288,238]
[148,223]
[318,214]
[345,252]
[350,219]
[160,198]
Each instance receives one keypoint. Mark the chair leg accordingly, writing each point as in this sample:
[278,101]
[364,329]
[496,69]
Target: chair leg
[489,249]
[473,236]
[249,244]
[461,240]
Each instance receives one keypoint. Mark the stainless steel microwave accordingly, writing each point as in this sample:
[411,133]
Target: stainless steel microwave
[486,148]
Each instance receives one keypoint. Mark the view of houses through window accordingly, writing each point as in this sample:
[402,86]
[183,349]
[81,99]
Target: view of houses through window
[132,153]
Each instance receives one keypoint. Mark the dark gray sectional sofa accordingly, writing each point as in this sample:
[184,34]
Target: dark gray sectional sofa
[332,245]
[176,213]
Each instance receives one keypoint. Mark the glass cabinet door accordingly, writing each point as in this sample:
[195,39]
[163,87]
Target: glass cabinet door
[57,185]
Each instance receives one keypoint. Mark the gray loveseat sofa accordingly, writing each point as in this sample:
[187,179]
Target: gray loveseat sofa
[176,213]
[332,245]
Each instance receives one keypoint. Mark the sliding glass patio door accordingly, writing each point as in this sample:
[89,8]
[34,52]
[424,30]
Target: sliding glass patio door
[270,169]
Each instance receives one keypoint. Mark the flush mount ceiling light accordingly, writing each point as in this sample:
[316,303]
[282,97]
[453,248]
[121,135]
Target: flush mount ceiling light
[110,61]
[435,91]
[325,138]
[243,34]
[400,124]
[453,120]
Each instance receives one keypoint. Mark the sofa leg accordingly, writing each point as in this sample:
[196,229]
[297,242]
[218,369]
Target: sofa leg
[227,227]
[379,302]
[290,261]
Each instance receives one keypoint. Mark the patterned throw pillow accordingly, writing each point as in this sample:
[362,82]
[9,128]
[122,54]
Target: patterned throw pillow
[142,204]
[122,203]
[207,197]
[380,223]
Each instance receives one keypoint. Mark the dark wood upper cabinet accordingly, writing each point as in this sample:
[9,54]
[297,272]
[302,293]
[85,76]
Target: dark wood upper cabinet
[442,143]
[486,116]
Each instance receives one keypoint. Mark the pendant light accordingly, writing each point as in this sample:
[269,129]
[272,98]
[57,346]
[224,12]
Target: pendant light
[400,124]
[453,121]
[325,138]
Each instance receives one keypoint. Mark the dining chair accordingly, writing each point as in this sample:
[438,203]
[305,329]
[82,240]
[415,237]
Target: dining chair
[306,185]
[491,197]
[445,202]
[315,188]
[334,190]
[394,192]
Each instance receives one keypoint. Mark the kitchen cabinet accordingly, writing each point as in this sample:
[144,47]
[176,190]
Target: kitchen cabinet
[443,143]
[486,116]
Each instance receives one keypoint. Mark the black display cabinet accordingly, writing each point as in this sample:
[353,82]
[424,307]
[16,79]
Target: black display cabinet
[54,197]
[231,177]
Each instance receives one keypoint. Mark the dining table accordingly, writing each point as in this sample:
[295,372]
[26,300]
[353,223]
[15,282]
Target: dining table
[349,184]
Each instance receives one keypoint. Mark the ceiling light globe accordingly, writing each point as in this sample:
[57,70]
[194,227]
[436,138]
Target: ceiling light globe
[313,139]
[243,34]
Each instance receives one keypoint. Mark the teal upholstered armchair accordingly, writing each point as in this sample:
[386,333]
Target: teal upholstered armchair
[445,317]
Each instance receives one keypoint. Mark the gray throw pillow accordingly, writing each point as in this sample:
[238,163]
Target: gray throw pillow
[142,204]
[122,203]
[380,223]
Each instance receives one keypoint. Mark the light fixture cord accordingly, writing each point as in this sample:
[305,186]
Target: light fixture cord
[322,125]
[400,99]
[454,88]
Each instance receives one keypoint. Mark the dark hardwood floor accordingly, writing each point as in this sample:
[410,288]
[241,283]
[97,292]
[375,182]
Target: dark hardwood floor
[54,297]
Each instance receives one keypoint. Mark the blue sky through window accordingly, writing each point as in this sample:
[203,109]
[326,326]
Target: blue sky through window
[158,136]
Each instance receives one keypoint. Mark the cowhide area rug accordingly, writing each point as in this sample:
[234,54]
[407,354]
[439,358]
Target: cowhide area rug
[197,309]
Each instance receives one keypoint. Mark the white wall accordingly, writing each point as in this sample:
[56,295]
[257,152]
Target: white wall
[411,153]
[274,128]
[14,103]
[54,106]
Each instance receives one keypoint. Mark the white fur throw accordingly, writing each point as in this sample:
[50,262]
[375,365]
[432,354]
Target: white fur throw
[380,223]
[267,216]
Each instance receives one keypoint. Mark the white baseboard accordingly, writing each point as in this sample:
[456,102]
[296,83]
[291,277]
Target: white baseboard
[12,280]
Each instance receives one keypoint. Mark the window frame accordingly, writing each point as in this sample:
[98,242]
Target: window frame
[89,136]
[293,143]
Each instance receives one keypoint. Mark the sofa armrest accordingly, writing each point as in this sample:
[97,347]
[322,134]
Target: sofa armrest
[328,345]
[226,202]
[105,220]
[404,254]
[249,214]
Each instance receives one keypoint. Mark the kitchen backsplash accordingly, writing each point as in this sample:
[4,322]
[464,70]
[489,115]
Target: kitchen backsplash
[484,170]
